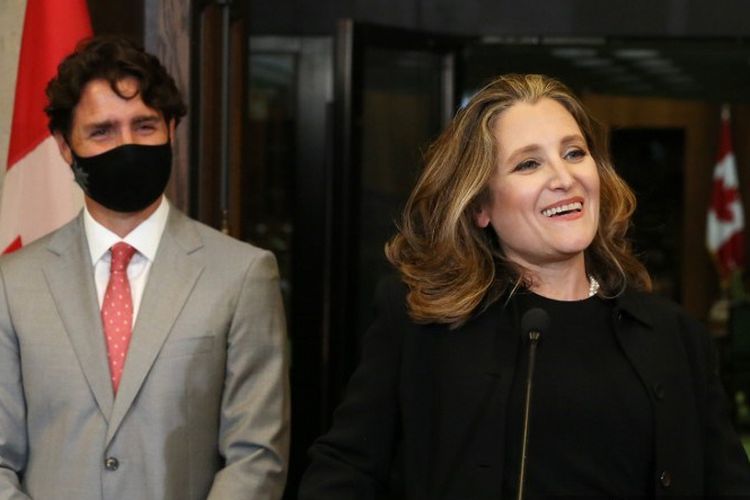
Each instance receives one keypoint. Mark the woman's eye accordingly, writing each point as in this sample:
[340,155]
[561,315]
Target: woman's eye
[575,154]
[526,165]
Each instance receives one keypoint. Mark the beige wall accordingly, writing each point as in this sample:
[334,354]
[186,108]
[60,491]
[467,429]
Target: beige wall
[11,24]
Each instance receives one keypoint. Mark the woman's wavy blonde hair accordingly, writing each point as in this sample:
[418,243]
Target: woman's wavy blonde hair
[452,267]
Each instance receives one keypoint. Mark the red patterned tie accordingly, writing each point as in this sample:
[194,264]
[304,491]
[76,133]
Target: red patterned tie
[117,311]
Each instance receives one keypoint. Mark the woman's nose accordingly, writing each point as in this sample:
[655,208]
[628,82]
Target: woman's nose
[561,176]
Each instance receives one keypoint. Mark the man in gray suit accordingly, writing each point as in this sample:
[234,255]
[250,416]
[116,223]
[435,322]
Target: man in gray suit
[141,353]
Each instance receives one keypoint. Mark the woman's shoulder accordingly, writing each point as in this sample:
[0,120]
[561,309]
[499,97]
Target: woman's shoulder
[664,315]
[390,297]
[391,287]
[650,306]
[390,302]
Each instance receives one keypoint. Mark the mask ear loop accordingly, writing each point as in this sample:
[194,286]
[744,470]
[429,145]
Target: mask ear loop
[79,175]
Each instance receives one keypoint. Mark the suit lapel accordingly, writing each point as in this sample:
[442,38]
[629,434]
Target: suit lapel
[70,278]
[173,275]
[476,366]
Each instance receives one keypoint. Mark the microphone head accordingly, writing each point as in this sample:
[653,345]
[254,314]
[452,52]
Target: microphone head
[534,320]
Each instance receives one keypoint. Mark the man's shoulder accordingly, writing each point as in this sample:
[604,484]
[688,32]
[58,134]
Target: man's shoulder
[230,251]
[43,247]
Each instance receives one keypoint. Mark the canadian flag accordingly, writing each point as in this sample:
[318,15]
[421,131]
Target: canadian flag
[39,194]
[726,220]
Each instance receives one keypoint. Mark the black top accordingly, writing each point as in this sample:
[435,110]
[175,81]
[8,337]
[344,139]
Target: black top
[591,428]
[428,404]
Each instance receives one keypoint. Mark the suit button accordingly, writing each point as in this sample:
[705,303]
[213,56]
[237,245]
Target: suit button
[659,391]
[665,478]
[111,463]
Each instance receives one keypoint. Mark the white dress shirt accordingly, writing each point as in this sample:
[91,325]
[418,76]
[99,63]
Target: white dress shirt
[144,238]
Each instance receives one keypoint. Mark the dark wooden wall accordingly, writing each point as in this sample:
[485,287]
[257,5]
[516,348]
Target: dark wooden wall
[509,17]
[167,25]
[118,17]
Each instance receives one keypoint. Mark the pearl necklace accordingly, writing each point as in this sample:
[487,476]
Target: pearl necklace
[593,286]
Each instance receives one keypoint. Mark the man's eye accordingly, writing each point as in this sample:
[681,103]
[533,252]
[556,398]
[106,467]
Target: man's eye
[98,132]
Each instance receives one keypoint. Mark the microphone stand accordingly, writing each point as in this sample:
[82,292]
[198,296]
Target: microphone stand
[533,340]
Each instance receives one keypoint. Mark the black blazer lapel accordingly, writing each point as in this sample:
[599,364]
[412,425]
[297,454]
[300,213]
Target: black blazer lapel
[476,365]
[650,338]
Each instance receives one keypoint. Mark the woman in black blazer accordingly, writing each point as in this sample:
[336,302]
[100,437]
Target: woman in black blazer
[519,208]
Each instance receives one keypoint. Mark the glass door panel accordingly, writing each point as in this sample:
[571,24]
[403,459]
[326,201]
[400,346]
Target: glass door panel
[394,92]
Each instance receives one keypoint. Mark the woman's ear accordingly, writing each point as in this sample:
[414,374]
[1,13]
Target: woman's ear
[482,217]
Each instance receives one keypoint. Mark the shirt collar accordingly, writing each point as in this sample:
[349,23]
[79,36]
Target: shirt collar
[144,238]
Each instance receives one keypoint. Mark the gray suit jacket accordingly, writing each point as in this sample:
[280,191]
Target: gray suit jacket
[202,410]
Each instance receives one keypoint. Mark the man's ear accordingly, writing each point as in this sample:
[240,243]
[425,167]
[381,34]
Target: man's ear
[482,217]
[172,126]
[64,148]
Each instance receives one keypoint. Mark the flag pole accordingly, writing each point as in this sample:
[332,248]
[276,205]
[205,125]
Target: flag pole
[725,223]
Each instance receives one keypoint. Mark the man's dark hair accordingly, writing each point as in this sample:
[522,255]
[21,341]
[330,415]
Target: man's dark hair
[112,59]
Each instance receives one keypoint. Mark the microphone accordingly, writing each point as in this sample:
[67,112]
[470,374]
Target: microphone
[533,323]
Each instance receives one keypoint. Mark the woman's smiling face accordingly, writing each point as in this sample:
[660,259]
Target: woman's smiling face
[544,194]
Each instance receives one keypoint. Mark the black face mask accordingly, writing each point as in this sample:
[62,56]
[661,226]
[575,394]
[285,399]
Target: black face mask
[127,178]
